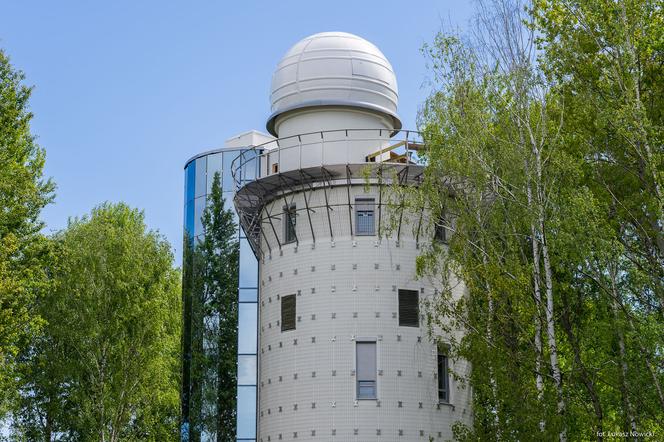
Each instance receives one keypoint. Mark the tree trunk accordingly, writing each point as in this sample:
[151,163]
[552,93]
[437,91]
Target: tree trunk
[551,331]
[548,284]
[489,331]
[585,376]
[48,427]
[630,421]
[539,382]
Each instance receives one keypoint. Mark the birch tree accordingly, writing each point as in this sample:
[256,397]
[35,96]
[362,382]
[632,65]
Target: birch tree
[556,294]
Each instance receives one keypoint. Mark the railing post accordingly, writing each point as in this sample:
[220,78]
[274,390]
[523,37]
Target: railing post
[278,157]
[407,149]
[347,143]
[299,138]
[237,171]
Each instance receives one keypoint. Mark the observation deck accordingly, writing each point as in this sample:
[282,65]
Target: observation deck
[322,160]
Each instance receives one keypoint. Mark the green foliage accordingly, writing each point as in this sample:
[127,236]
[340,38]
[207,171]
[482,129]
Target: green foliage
[23,251]
[548,160]
[606,61]
[106,366]
[211,322]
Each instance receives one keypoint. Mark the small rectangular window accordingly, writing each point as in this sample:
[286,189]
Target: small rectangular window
[443,375]
[366,369]
[364,216]
[288,312]
[409,308]
[440,232]
[289,223]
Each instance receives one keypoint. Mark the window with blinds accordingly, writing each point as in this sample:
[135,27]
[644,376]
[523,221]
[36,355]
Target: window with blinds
[366,369]
[289,223]
[288,312]
[365,223]
[409,308]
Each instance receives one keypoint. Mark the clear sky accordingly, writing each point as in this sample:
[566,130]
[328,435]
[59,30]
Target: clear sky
[127,91]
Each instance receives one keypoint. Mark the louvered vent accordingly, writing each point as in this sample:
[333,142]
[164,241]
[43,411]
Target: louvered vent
[409,311]
[288,312]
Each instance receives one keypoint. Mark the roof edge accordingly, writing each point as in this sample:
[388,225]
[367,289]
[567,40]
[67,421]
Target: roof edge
[270,125]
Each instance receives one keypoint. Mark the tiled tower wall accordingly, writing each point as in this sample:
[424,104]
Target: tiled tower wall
[346,289]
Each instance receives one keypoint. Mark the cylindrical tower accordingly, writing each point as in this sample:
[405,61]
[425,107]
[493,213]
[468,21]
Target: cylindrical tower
[343,349]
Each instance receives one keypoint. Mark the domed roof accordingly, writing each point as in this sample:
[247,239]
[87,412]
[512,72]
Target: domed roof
[334,69]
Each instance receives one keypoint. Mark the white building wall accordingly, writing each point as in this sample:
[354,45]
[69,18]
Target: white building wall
[347,288]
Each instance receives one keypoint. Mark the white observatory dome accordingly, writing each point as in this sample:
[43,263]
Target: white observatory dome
[334,69]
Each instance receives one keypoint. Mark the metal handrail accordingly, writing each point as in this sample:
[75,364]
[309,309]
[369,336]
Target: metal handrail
[259,152]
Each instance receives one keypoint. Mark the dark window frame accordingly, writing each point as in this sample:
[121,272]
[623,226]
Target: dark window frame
[288,322]
[443,369]
[440,231]
[290,223]
[408,318]
[365,207]
[362,384]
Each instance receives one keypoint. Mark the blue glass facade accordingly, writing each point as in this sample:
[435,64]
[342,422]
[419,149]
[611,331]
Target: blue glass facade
[198,422]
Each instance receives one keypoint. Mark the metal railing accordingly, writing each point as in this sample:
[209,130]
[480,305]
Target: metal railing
[324,148]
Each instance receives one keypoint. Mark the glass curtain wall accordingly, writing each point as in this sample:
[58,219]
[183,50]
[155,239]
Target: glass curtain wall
[198,396]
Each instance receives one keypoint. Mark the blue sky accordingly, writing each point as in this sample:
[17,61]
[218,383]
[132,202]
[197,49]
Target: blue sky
[127,91]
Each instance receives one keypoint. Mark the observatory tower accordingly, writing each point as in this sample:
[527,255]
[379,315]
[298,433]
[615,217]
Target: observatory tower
[343,351]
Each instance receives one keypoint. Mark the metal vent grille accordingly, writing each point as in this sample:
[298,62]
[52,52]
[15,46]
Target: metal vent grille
[288,312]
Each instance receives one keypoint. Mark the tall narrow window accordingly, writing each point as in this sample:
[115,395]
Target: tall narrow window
[288,311]
[364,216]
[443,375]
[440,232]
[289,223]
[366,369]
[409,308]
